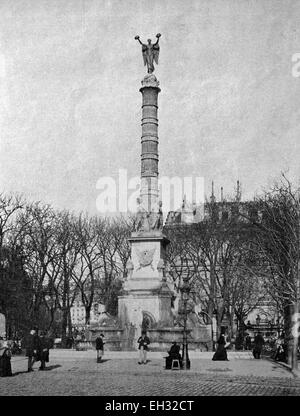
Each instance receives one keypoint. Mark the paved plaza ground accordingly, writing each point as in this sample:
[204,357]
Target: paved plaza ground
[76,373]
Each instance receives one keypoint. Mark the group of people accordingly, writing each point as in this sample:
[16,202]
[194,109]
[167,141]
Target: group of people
[223,344]
[37,349]
[143,343]
[143,347]
[174,352]
[280,353]
[38,345]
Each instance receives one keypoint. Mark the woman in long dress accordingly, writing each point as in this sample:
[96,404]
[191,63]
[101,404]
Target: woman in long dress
[221,353]
[5,357]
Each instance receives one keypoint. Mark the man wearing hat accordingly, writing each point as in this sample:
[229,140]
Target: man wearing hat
[100,347]
[43,352]
[174,354]
[32,348]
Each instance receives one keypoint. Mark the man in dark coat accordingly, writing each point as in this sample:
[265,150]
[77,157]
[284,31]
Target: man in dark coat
[258,345]
[43,352]
[174,354]
[143,342]
[100,347]
[32,348]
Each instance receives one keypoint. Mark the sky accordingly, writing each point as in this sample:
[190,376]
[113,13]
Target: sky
[70,106]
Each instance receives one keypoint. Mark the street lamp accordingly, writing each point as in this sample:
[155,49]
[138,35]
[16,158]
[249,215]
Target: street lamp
[185,290]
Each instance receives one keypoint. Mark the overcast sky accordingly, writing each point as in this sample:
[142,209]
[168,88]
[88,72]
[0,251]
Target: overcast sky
[70,74]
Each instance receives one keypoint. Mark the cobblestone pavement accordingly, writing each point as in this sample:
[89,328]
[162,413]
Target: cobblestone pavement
[74,373]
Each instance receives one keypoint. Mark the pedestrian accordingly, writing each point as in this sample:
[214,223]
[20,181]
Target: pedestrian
[5,359]
[77,341]
[248,343]
[174,354]
[258,345]
[221,353]
[143,342]
[100,347]
[43,352]
[32,348]
[280,354]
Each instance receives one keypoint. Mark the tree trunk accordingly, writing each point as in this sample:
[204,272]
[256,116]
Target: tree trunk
[69,321]
[87,315]
[295,334]
[289,341]
[65,310]
[64,325]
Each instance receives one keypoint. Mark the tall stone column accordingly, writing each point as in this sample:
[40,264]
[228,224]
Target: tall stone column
[146,300]
[145,289]
[149,155]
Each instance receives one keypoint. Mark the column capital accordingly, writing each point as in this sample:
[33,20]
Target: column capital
[150,80]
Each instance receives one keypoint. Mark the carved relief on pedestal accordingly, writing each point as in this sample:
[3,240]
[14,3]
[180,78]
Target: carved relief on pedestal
[145,257]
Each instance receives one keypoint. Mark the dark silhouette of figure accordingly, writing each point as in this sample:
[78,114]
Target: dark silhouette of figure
[174,354]
[258,345]
[32,348]
[5,357]
[221,353]
[43,352]
[100,347]
[143,342]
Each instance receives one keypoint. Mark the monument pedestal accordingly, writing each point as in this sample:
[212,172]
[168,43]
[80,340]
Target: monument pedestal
[146,299]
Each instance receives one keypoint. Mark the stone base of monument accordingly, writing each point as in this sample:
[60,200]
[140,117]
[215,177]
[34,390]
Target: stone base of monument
[162,338]
[124,338]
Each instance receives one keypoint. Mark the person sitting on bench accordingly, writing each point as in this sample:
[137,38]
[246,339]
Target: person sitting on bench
[174,354]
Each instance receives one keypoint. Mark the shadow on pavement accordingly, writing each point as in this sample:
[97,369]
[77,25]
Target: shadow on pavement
[52,367]
[49,368]
[19,372]
[219,369]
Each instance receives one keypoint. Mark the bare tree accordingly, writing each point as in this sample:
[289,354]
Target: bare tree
[67,260]
[212,254]
[114,251]
[88,270]
[278,241]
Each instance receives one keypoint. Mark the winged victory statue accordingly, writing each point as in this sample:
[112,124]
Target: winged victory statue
[150,52]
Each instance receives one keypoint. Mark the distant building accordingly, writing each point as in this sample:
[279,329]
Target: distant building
[78,313]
